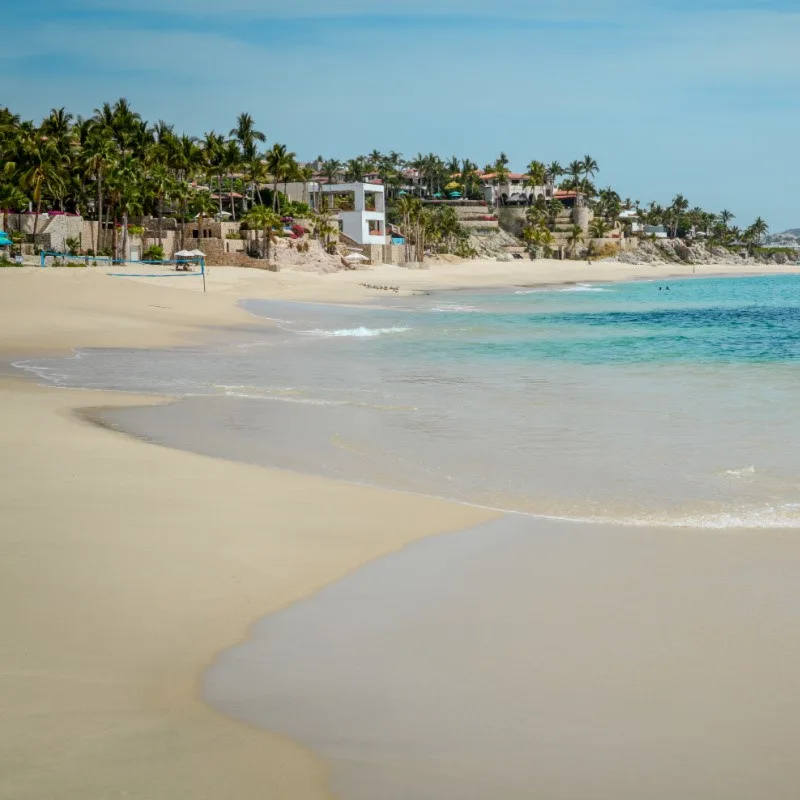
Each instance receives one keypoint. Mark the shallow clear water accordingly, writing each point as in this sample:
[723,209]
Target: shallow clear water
[626,402]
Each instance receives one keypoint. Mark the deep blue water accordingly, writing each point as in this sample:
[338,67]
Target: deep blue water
[748,320]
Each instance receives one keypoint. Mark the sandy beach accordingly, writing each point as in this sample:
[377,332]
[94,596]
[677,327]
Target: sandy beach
[127,567]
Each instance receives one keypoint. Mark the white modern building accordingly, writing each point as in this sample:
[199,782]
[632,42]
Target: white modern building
[360,209]
[630,218]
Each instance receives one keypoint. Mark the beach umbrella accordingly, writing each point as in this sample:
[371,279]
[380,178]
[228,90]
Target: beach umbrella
[356,257]
[198,253]
[5,241]
[184,254]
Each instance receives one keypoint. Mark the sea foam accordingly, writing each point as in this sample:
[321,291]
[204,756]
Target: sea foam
[355,332]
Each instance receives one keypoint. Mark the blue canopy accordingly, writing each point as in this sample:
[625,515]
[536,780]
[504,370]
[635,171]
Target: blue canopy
[4,240]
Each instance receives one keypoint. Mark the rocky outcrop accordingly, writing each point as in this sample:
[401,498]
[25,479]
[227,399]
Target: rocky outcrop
[491,244]
[678,251]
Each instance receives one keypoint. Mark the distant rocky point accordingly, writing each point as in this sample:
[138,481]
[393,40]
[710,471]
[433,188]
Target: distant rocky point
[790,238]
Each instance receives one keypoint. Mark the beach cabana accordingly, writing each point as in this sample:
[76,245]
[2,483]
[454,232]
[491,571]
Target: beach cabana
[186,259]
[352,260]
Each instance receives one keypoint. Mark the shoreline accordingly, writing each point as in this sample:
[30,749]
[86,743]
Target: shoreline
[172,692]
[90,687]
[88,502]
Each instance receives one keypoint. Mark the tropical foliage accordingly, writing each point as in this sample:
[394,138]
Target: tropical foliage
[115,166]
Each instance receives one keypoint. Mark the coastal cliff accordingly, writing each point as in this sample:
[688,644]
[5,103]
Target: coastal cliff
[678,251]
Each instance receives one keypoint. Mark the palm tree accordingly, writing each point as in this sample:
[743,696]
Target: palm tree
[246,134]
[536,174]
[57,127]
[161,184]
[213,145]
[598,228]
[128,177]
[261,218]
[575,238]
[355,169]
[256,173]
[554,172]
[187,159]
[331,170]
[40,171]
[231,160]
[279,165]
[590,168]
[758,230]
[679,207]
[324,228]
[554,208]
[726,216]
[575,172]
[469,177]
[410,210]
[609,204]
[120,120]
[11,199]
[501,170]
[203,205]
[98,156]
[538,238]
[305,174]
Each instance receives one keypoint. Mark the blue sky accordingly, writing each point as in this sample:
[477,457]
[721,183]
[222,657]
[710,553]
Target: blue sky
[694,96]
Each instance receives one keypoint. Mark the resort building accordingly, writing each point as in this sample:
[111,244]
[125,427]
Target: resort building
[659,231]
[630,219]
[300,191]
[512,191]
[360,209]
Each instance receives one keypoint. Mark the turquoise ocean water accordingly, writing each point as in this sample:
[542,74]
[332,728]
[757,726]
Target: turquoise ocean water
[653,402]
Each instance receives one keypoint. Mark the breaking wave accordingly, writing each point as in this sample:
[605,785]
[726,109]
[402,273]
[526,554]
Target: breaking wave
[355,332]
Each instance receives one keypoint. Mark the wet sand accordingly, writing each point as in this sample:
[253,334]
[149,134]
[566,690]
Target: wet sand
[528,658]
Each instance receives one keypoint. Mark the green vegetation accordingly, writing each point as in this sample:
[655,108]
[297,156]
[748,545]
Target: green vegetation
[154,253]
[264,220]
[114,166]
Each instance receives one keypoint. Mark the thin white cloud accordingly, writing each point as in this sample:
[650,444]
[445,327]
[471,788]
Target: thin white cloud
[280,9]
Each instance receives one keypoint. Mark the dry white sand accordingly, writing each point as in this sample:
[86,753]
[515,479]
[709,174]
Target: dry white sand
[125,566]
